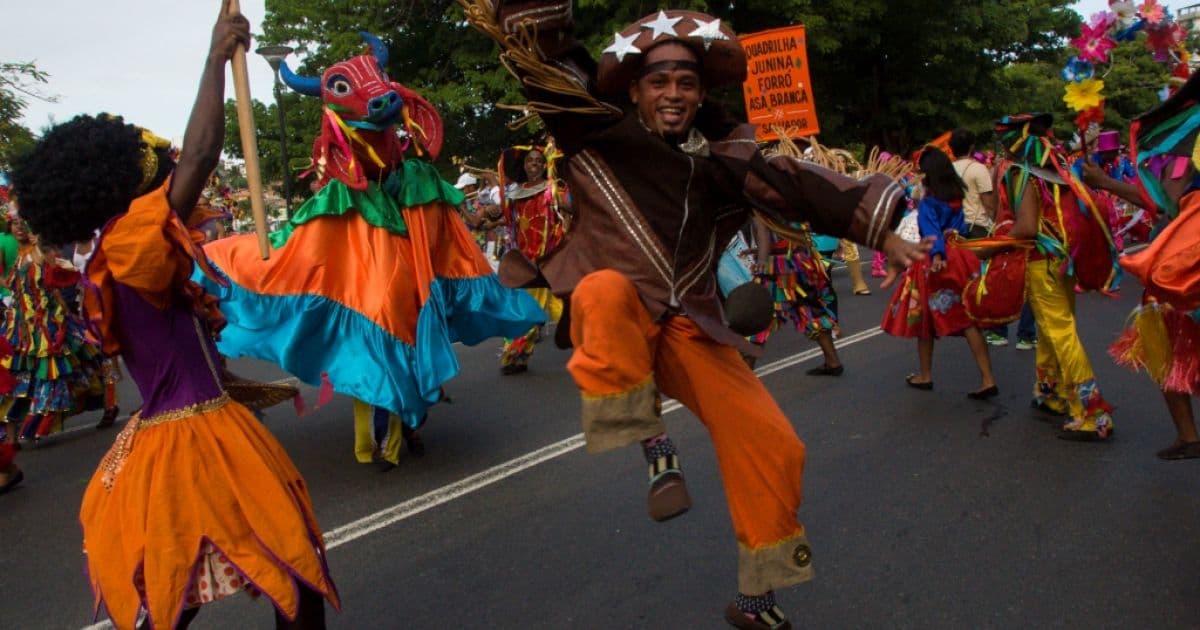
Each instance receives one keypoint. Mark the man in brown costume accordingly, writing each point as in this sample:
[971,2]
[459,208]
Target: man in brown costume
[658,187]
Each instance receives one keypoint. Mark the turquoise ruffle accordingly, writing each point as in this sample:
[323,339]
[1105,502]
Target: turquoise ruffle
[310,334]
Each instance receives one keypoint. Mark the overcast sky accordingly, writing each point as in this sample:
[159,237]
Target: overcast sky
[138,58]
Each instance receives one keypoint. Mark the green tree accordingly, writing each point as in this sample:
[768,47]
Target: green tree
[887,72]
[19,82]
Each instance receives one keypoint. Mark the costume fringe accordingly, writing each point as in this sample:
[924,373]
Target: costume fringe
[521,56]
[1166,344]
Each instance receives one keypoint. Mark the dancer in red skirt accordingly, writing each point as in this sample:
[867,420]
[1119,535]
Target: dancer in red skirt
[927,304]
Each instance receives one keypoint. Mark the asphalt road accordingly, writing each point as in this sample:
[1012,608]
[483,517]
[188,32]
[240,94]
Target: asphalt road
[924,509]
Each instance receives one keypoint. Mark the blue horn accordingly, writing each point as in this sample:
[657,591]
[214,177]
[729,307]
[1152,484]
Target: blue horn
[377,48]
[309,86]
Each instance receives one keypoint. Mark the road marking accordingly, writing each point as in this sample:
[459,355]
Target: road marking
[390,516]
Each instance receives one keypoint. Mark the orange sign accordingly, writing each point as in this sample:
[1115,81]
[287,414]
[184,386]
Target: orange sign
[777,89]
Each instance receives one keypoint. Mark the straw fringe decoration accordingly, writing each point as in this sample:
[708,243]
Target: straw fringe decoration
[519,52]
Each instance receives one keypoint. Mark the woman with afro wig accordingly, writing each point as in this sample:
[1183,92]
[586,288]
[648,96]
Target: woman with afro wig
[195,500]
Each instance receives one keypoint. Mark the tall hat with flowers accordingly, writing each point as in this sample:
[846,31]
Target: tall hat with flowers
[1148,21]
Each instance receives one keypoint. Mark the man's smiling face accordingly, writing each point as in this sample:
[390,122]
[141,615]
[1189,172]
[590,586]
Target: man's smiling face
[669,92]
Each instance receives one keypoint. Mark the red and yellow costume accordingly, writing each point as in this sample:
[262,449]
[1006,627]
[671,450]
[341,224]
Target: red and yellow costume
[537,217]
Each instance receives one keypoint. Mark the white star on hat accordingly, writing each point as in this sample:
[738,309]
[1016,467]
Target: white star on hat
[622,46]
[663,25]
[708,31]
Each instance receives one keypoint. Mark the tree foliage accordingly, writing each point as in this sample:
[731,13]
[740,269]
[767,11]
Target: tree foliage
[19,82]
[889,72]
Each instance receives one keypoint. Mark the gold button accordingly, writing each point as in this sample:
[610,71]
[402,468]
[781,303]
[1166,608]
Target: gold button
[802,555]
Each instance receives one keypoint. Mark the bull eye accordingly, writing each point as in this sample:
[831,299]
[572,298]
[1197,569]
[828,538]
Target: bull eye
[339,85]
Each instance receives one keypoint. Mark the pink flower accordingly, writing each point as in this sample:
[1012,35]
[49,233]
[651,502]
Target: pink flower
[1093,44]
[1152,11]
[1103,20]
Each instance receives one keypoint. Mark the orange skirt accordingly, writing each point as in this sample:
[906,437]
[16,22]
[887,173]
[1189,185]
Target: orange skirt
[186,492]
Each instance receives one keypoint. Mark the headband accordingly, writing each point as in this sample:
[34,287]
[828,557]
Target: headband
[667,66]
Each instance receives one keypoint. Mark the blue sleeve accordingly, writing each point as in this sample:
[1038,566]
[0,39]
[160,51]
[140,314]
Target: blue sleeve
[929,221]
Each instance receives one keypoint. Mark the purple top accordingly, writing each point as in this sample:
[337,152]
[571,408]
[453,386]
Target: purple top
[169,353]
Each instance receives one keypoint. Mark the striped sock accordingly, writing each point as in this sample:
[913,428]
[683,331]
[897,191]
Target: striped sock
[658,446]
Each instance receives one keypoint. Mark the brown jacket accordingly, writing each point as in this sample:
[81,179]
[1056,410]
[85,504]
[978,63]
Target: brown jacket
[661,213]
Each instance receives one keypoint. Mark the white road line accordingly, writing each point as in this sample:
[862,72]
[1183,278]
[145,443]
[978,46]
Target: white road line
[390,516]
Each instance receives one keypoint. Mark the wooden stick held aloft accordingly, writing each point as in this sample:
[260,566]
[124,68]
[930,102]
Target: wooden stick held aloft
[241,90]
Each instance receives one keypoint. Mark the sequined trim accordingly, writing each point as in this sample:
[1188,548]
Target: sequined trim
[114,459]
[185,412]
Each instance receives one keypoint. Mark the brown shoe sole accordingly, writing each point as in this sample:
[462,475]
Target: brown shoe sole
[668,498]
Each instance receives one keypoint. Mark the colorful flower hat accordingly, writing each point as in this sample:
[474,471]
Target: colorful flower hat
[722,59]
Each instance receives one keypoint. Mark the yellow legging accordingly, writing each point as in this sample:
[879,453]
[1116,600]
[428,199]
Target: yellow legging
[364,435]
[517,351]
[1065,380]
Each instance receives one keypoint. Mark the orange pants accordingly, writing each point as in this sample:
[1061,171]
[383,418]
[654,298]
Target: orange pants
[622,360]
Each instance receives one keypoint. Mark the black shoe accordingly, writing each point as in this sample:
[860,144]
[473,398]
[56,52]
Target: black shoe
[413,441]
[513,368]
[921,386]
[12,483]
[984,394]
[825,370]
[109,418]
[1180,450]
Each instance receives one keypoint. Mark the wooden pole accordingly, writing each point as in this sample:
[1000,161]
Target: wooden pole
[241,90]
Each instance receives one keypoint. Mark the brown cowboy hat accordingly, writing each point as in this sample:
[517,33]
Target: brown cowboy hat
[722,59]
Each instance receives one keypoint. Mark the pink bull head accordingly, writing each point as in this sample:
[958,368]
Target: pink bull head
[358,140]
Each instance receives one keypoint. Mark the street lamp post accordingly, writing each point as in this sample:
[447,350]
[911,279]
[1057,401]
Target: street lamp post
[275,56]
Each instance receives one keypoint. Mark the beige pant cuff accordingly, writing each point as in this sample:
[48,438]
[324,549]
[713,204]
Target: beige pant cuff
[785,563]
[617,420]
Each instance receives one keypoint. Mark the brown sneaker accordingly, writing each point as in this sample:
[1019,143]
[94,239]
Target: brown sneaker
[773,619]
[668,495]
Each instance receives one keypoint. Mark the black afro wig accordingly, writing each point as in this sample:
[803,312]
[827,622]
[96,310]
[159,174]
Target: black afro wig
[79,175]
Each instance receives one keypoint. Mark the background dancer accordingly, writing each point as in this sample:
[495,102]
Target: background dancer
[799,282]
[1164,333]
[537,207]
[375,277]
[1042,194]
[927,304]
[52,361]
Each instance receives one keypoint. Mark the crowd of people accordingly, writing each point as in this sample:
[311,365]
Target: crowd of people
[665,282]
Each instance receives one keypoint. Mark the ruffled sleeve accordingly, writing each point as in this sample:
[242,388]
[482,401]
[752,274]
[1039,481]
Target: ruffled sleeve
[149,250]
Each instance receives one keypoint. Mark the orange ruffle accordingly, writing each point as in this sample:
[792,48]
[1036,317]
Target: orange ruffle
[149,249]
[368,269]
[146,536]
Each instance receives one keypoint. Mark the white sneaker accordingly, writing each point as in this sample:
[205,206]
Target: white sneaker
[1025,344]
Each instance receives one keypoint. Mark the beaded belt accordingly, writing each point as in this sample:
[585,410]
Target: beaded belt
[114,460]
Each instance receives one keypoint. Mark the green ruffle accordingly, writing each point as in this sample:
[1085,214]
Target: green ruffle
[416,182]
